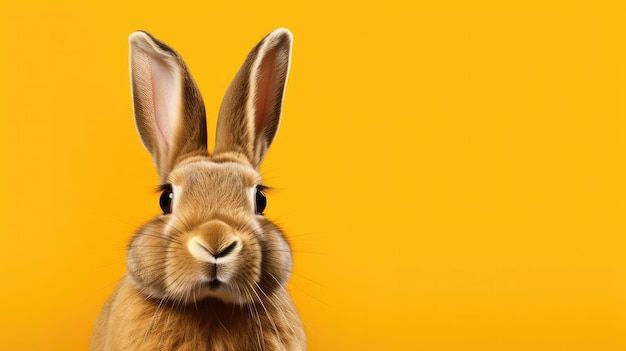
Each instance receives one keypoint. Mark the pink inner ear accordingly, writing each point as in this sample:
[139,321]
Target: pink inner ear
[165,87]
[264,99]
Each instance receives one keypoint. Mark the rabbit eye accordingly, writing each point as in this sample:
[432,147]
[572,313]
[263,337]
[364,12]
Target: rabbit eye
[260,200]
[166,199]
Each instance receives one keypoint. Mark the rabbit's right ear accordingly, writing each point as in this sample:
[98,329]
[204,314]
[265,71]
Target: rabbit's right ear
[169,111]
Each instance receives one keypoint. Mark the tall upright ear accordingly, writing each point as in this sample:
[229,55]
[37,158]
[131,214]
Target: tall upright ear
[169,111]
[251,109]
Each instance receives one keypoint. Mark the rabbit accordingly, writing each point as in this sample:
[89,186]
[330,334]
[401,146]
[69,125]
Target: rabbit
[210,272]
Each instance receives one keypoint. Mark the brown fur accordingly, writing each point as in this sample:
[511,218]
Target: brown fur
[142,324]
[213,235]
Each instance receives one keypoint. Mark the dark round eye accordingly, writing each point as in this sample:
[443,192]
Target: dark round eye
[261,200]
[166,199]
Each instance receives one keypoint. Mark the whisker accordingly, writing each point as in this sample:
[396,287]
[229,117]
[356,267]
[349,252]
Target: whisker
[267,313]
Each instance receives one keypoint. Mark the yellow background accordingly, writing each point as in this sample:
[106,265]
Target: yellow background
[452,176]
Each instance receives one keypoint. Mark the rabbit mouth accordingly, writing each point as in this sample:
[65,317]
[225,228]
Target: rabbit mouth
[221,290]
[213,284]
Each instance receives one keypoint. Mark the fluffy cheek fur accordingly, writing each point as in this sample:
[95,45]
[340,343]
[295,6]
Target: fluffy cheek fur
[276,261]
[146,259]
[162,267]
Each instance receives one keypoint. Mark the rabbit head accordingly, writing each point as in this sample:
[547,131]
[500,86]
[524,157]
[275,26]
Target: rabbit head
[212,240]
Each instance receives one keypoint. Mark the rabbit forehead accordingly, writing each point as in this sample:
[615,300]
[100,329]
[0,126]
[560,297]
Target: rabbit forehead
[207,174]
[205,190]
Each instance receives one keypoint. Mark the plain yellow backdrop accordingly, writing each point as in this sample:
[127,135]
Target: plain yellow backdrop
[452,176]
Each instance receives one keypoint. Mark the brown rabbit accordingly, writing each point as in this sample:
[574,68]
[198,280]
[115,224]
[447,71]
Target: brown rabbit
[210,272]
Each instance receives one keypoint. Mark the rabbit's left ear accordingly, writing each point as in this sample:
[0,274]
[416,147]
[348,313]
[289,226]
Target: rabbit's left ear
[169,110]
[251,109]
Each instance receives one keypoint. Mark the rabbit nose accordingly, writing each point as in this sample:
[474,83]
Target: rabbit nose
[216,235]
[204,251]
[214,240]
[221,252]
